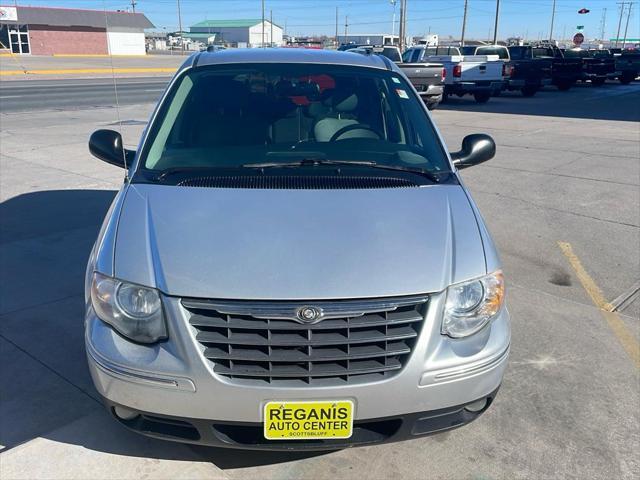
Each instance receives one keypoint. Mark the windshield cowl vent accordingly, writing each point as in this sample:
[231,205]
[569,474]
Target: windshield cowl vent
[293,182]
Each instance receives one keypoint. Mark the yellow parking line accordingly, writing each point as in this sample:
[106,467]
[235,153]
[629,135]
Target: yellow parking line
[617,326]
[78,71]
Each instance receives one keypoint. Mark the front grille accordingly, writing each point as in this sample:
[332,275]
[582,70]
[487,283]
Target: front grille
[355,340]
[291,182]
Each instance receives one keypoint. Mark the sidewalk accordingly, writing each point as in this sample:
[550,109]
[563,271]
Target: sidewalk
[20,67]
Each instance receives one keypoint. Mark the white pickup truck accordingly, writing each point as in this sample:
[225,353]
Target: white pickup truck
[479,75]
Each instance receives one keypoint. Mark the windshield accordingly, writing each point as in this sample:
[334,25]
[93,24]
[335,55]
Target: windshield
[234,116]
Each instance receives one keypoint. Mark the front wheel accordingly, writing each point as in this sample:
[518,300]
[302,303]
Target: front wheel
[432,105]
[598,81]
[529,91]
[482,97]
[564,85]
[627,77]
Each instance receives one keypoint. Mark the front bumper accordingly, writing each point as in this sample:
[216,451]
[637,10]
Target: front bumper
[173,379]
[249,435]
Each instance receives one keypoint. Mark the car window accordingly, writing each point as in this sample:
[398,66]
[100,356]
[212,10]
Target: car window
[391,53]
[542,52]
[518,53]
[468,50]
[502,52]
[575,53]
[229,116]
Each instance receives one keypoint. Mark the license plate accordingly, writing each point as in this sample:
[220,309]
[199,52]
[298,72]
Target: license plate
[308,420]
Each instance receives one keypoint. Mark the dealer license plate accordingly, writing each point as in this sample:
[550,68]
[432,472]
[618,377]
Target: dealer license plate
[308,420]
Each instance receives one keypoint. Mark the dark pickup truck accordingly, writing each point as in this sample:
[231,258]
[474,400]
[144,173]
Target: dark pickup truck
[627,65]
[597,65]
[565,71]
[526,72]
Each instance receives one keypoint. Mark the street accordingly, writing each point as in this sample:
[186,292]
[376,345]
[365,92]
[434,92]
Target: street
[73,94]
[562,201]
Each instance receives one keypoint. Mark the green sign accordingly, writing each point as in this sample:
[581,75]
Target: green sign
[580,27]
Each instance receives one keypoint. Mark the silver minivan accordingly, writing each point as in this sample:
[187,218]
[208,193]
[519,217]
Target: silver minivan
[293,261]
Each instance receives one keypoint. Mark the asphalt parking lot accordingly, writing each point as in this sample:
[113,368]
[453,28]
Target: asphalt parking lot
[562,200]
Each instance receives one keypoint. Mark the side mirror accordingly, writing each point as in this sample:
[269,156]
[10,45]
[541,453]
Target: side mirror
[476,148]
[107,146]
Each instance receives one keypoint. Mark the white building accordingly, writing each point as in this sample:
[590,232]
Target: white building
[247,32]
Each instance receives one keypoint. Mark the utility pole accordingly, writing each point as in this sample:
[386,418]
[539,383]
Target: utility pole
[346,26]
[464,23]
[553,17]
[495,28]
[180,27]
[626,27]
[271,24]
[133,6]
[620,21]
[336,27]
[603,23]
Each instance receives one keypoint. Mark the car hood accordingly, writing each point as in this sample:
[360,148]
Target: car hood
[297,244]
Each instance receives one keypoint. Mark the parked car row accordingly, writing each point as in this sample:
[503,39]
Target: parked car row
[487,70]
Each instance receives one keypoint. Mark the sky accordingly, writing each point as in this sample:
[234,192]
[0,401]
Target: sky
[528,18]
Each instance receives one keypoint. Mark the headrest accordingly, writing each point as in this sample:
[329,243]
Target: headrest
[348,104]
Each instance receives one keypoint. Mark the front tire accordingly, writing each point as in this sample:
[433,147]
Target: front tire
[627,77]
[563,85]
[598,81]
[432,105]
[529,91]
[482,97]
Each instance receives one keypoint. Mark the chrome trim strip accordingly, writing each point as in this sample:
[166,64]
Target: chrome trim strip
[276,310]
[146,379]
[473,369]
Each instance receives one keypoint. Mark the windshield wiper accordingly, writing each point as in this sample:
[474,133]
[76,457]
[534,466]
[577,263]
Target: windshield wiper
[365,163]
[170,171]
[434,177]
[309,162]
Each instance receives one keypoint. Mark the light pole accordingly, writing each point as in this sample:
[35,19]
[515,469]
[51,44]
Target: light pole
[336,27]
[626,27]
[553,17]
[262,40]
[620,21]
[180,27]
[464,23]
[495,28]
[393,21]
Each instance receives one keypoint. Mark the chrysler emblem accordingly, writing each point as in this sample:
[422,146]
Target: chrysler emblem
[309,314]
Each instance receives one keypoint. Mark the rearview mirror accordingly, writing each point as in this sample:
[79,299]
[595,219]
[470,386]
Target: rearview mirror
[476,148]
[107,146]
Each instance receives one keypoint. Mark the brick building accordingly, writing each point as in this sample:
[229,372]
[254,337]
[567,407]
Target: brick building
[51,31]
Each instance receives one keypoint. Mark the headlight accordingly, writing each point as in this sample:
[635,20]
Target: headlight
[471,305]
[133,310]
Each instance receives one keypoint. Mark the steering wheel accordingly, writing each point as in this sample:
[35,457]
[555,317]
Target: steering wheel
[355,126]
